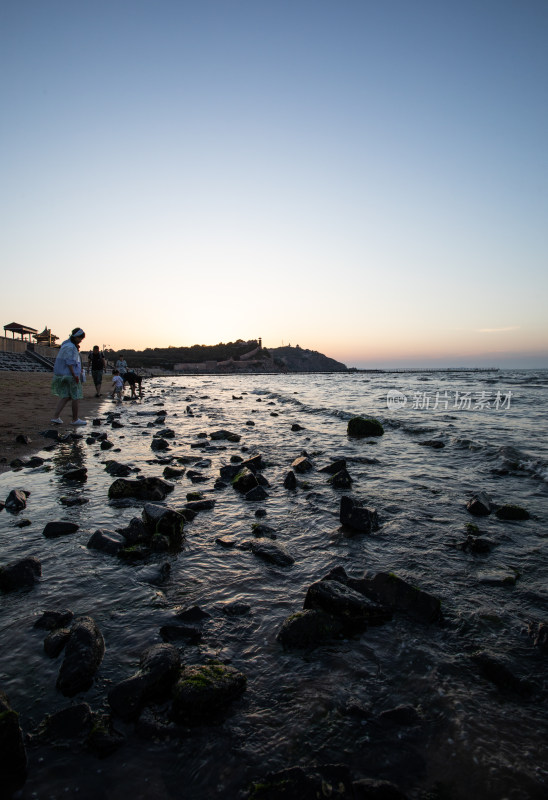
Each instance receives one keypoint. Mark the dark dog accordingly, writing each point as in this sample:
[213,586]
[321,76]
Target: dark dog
[134,380]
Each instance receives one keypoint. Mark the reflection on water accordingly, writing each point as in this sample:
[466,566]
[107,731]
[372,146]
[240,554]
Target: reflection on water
[325,705]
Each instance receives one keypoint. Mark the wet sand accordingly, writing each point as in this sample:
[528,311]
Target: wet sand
[27,408]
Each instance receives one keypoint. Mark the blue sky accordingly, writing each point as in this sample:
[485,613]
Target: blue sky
[368,179]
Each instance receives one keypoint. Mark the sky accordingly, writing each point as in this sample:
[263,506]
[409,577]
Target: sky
[365,178]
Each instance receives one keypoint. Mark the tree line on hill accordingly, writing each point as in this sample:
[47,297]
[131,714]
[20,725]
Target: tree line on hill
[167,357]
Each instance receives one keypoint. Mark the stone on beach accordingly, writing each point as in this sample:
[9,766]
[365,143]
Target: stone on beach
[204,692]
[396,593]
[141,489]
[480,505]
[158,670]
[364,426]
[55,529]
[358,517]
[20,574]
[16,500]
[309,628]
[107,541]
[354,608]
[83,656]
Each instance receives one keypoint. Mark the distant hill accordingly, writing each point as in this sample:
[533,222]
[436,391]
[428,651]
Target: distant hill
[296,359]
[236,356]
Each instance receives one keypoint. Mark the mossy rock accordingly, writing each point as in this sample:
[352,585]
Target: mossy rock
[511,512]
[364,426]
[204,692]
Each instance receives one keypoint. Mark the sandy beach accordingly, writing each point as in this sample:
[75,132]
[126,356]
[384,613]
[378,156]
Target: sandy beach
[27,409]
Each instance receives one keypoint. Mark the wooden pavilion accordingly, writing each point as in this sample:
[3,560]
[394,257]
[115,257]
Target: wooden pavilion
[46,337]
[20,330]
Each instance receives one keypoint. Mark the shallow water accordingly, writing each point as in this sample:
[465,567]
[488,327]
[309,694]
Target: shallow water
[470,738]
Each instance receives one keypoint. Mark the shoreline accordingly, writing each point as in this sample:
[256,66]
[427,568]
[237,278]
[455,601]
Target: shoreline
[27,409]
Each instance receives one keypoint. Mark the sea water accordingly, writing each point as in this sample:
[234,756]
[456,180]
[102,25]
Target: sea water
[323,705]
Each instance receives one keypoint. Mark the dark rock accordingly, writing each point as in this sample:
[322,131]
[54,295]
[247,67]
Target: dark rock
[13,757]
[309,628]
[22,439]
[174,472]
[256,494]
[106,444]
[158,670]
[260,529]
[222,434]
[20,574]
[135,532]
[55,642]
[196,476]
[69,723]
[290,480]
[73,501]
[159,444]
[229,471]
[364,426]
[103,739]
[142,489]
[225,541]
[200,505]
[165,433]
[55,529]
[244,481]
[435,444]
[302,464]
[116,469]
[165,521]
[134,553]
[51,433]
[341,480]
[346,603]
[394,592]
[334,467]
[83,655]
[107,541]
[273,553]
[296,427]
[80,474]
[511,512]
[23,523]
[480,505]
[16,501]
[116,424]
[255,463]
[359,518]
[204,692]
[50,620]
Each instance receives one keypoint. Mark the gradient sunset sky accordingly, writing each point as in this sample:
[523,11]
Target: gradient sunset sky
[366,179]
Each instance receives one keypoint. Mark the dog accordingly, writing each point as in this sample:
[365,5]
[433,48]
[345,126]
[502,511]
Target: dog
[134,380]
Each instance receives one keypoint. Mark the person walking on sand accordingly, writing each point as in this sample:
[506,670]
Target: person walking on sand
[117,385]
[68,377]
[121,365]
[97,365]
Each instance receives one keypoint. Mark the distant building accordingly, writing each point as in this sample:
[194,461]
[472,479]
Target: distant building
[46,337]
[20,330]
